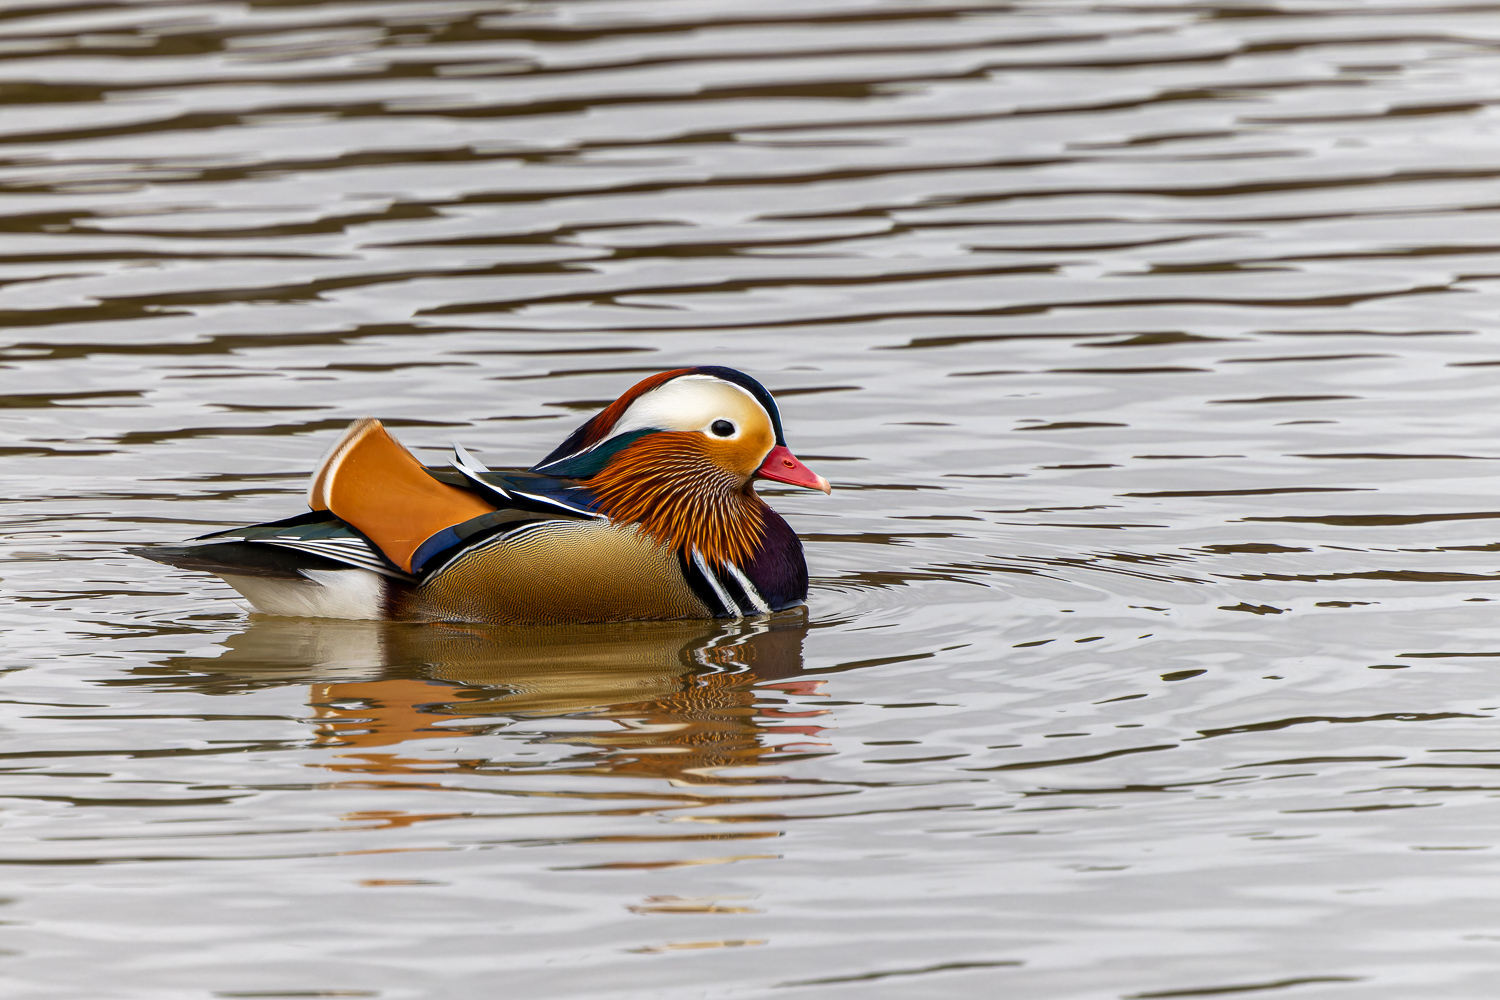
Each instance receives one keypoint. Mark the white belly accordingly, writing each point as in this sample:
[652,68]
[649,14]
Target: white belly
[327,593]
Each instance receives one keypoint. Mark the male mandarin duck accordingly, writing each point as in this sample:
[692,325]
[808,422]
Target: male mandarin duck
[647,511]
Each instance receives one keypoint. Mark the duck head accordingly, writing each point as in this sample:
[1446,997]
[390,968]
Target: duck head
[679,453]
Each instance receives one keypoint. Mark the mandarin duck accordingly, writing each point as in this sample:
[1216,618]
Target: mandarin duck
[646,512]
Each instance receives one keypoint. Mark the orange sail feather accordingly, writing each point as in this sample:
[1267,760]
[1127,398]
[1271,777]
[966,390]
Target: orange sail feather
[371,481]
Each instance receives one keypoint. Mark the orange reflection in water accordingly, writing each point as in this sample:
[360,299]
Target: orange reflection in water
[674,700]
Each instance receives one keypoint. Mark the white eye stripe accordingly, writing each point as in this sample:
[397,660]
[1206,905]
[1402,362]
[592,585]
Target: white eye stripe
[692,402]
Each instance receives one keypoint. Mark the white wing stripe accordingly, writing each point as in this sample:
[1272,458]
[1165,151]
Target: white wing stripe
[472,467]
[350,551]
[465,462]
[341,554]
[558,504]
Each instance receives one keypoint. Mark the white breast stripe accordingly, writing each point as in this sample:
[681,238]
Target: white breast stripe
[749,589]
[718,588]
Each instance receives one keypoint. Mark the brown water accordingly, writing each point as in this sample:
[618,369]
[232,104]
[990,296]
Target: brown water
[1152,349]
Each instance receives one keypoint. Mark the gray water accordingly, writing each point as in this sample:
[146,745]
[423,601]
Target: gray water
[1152,349]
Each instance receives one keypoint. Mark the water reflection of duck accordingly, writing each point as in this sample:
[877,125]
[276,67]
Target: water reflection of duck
[647,512]
[673,698]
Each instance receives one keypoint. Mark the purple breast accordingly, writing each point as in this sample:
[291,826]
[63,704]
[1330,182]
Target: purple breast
[777,568]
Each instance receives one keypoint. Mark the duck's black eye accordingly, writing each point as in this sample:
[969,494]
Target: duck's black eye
[723,428]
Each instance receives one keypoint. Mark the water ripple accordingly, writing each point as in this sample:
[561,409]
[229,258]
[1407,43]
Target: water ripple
[1113,709]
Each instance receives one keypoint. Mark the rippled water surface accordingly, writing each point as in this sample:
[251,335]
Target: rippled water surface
[1152,349]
